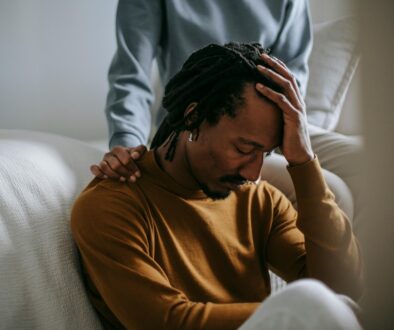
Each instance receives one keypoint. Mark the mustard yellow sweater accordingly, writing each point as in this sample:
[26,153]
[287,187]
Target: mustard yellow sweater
[159,256]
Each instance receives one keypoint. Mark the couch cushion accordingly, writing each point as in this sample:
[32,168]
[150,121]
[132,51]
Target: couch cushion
[333,61]
[40,286]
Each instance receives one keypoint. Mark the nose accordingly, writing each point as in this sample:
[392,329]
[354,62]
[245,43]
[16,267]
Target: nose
[251,170]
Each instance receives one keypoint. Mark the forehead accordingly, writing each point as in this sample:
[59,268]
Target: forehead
[257,120]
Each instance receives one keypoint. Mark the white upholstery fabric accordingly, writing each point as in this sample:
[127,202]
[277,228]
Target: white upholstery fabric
[332,64]
[40,286]
[304,304]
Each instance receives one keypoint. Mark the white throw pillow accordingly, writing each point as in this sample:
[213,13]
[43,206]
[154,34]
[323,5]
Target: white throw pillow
[40,284]
[333,61]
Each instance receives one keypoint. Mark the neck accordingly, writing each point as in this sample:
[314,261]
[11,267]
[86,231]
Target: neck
[179,167]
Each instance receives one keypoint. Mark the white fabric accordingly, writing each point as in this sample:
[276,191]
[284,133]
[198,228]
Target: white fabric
[40,286]
[304,304]
[332,64]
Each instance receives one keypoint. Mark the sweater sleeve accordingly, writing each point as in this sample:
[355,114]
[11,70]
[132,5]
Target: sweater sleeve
[317,242]
[114,241]
[130,96]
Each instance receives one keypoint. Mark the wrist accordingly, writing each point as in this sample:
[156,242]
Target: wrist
[301,161]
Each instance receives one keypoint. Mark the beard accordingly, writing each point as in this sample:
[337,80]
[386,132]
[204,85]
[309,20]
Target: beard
[214,195]
[219,195]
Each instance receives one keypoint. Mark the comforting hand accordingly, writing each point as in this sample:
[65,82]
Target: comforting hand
[119,164]
[296,144]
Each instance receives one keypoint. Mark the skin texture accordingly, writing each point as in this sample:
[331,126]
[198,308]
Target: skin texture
[286,127]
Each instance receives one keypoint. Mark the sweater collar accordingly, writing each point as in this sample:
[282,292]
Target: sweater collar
[155,174]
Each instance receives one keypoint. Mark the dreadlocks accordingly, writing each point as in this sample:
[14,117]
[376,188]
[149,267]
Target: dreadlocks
[214,77]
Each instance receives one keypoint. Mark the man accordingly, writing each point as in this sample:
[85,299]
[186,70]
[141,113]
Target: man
[189,245]
[170,31]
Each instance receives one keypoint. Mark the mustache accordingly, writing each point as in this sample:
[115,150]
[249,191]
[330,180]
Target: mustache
[234,179]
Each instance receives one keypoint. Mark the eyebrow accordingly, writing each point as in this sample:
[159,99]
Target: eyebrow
[253,143]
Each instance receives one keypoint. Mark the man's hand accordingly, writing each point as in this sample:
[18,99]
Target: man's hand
[119,164]
[296,144]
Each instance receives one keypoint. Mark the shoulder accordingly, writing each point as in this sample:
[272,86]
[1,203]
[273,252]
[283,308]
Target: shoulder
[107,205]
[106,193]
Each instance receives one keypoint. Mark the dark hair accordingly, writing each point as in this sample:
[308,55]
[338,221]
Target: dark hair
[214,77]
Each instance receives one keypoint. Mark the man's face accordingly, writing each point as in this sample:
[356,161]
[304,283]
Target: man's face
[230,153]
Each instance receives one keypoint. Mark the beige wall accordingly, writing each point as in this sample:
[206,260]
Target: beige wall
[377,231]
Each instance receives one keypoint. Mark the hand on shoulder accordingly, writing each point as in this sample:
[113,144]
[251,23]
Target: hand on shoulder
[120,164]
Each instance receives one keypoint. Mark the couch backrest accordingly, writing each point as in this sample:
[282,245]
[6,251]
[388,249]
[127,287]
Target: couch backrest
[40,284]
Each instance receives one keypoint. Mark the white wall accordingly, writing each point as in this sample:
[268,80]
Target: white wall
[54,58]
[324,10]
[53,62]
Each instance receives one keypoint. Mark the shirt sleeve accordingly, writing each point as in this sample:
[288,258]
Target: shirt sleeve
[318,241]
[130,96]
[293,44]
[113,238]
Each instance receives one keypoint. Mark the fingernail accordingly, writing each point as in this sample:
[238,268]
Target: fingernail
[132,178]
[260,86]
[135,154]
[122,179]
[260,67]
[105,176]
[137,174]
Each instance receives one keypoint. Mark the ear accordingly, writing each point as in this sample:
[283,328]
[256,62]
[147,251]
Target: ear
[191,115]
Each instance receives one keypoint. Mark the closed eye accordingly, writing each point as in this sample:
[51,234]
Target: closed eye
[244,152]
[249,152]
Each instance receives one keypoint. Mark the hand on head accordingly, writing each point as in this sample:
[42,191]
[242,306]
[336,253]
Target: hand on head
[119,164]
[296,146]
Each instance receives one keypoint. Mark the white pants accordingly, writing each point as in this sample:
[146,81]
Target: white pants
[337,154]
[304,304]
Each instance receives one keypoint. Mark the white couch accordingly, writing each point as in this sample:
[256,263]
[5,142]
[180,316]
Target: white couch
[41,174]
[40,286]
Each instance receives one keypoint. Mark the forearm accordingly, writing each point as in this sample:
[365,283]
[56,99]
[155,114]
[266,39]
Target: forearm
[130,96]
[332,251]
[294,43]
[128,103]
[210,316]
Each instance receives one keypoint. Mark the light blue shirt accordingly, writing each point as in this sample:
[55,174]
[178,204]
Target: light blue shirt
[171,30]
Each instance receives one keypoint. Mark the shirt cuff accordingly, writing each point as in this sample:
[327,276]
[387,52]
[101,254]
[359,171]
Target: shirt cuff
[308,179]
[124,139]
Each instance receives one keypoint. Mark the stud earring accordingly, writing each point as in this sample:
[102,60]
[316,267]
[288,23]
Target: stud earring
[191,137]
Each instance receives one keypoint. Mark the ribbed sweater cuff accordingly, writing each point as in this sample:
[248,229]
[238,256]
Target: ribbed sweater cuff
[229,316]
[308,180]
[124,140]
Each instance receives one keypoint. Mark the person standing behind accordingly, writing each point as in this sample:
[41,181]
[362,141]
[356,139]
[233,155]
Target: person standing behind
[170,31]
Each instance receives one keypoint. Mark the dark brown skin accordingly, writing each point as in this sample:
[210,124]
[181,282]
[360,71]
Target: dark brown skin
[284,113]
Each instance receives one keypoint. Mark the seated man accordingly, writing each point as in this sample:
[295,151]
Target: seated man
[189,245]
